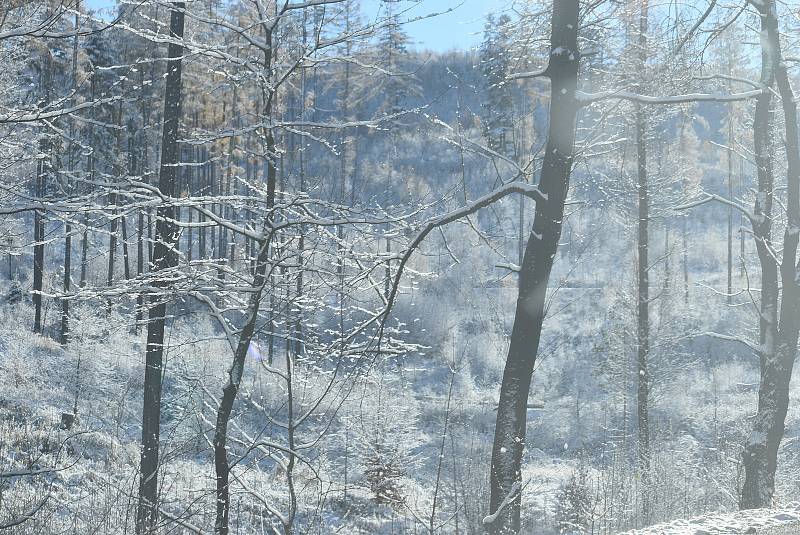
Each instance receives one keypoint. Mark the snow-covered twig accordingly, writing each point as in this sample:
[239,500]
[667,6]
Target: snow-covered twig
[512,494]
[584,99]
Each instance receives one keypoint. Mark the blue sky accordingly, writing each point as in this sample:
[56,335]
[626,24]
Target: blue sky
[460,28]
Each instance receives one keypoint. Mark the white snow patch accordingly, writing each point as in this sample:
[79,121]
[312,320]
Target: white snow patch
[759,521]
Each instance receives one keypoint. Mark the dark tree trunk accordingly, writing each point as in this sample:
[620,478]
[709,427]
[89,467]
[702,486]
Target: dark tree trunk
[139,268]
[231,388]
[39,224]
[742,221]
[730,197]
[779,331]
[68,225]
[299,348]
[112,245]
[201,218]
[67,276]
[229,392]
[643,302]
[190,188]
[643,273]
[164,257]
[149,239]
[43,168]
[212,191]
[126,261]
[113,200]
[509,438]
[38,254]
[84,250]
[225,189]
[387,281]
[139,165]
[38,246]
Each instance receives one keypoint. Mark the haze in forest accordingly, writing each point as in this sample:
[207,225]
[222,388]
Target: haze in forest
[393,267]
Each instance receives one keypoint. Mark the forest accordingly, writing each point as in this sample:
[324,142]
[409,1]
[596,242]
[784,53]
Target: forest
[275,267]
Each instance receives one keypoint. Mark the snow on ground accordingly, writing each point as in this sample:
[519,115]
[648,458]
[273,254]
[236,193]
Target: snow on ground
[782,521]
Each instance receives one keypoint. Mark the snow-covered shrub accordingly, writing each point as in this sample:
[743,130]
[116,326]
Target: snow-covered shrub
[573,508]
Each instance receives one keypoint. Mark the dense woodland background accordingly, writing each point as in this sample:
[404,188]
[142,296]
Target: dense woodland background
[260,264]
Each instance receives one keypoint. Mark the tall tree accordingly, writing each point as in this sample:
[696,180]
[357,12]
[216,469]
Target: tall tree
[534,276]
[43,171]
[165,257]
[68,224]
[780,312]
[497,111]
[235,371]
[642,264]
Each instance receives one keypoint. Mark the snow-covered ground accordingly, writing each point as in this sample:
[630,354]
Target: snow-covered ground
[780,521]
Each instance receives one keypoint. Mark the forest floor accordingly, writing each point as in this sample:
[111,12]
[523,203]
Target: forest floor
[792,529]
[779,521]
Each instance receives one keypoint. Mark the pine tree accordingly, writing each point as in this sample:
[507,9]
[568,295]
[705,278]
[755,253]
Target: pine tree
[573,506]
[497,111]
[398,85]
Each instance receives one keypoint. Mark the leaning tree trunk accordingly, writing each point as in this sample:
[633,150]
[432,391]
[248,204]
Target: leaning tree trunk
[509,438]
[164,257]
[778,337]
[230,391]
[231,388]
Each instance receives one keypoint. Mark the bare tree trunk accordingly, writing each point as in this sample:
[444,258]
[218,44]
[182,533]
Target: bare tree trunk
[643,302]
[299,347]
[387,281]
[193,182]
[140,230]
[84,250]
[231,388]
[38,251]
[227,210]
[149,238]
[643,277]
[67,224]
[213,190]
[44,167]
[164,257]
[139,268]
[510,430]
[113,199]
[201,218]
[742,221]
[730,208]
[779,337]
[67,280]
[126,262]
[685,263]
[112,245]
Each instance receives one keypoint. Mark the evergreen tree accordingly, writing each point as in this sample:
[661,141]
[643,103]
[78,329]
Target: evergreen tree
[397,86]
[498,109]
[573,507]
